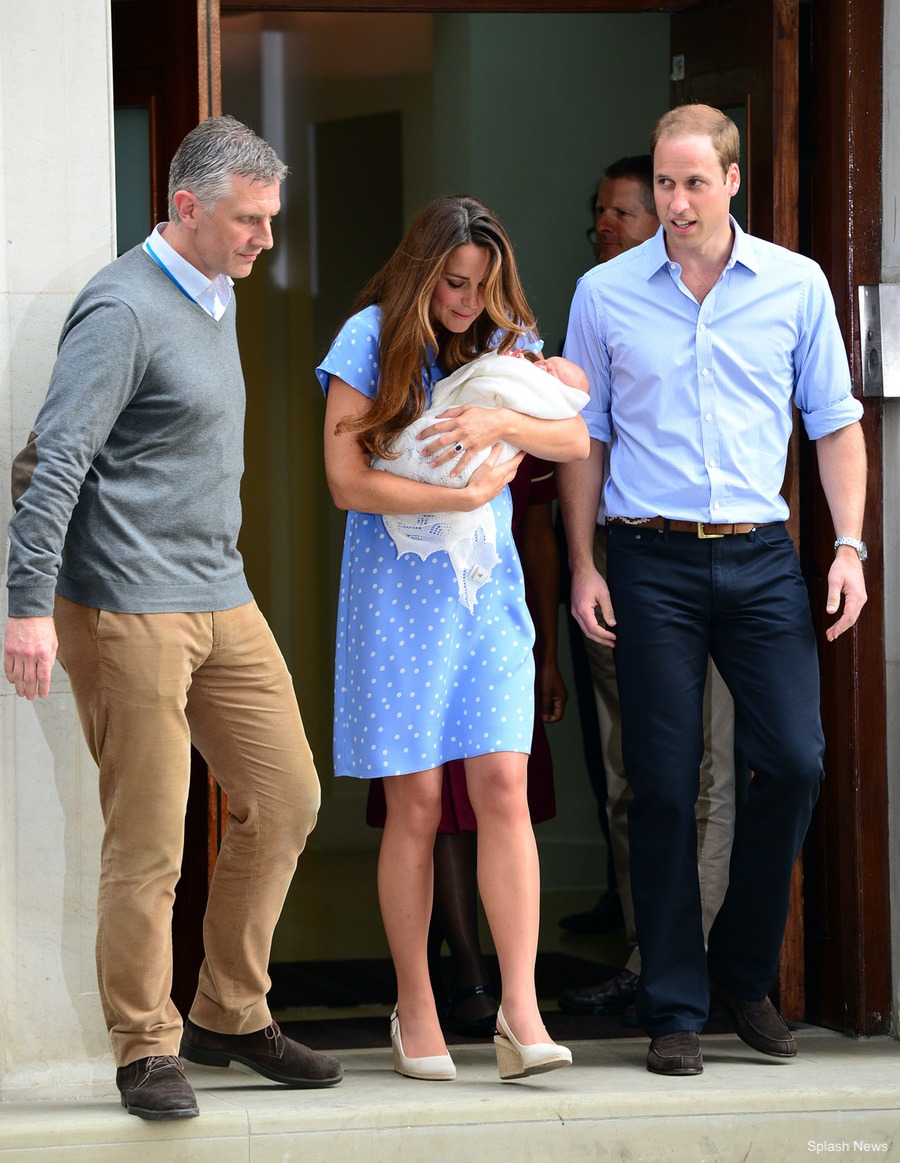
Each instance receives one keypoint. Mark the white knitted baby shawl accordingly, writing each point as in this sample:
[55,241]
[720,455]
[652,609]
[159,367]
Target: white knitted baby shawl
[490,381]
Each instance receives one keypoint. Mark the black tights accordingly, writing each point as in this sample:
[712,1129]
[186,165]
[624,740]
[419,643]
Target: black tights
[454,919]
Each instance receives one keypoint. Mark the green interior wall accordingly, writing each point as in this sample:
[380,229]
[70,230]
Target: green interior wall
[523,111]
[529,109]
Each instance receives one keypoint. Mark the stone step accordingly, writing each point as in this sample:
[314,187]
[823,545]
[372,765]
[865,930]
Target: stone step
[838,1099]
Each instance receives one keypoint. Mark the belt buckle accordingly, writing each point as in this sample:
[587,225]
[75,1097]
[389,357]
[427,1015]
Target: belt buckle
[706,536]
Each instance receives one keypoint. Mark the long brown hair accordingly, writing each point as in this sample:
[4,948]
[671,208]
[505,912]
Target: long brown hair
[403,289]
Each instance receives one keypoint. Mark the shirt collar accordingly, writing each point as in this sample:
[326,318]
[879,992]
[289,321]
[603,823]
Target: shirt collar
[741,252]
[657,256]
[194,282]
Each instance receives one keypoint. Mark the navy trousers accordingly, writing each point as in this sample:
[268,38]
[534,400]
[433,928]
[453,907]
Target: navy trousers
[741,599]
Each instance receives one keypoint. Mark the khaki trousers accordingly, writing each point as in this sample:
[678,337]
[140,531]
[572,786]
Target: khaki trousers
[146,687]
[716,802]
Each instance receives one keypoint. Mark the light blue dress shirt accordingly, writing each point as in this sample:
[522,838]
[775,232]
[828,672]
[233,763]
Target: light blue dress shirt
[695,399]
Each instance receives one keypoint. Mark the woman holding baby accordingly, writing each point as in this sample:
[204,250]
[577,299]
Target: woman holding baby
[421,678]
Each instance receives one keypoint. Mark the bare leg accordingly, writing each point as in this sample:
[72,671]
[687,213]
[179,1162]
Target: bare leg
[405,881]
[509,880]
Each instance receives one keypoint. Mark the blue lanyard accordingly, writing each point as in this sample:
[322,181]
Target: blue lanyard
[169,274]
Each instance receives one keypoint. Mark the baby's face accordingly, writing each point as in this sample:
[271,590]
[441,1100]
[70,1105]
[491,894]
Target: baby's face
[561,369]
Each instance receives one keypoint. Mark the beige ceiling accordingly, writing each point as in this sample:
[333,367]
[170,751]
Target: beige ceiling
[336,44]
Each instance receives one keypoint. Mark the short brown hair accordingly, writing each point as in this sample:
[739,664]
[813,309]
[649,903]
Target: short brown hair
[701,121]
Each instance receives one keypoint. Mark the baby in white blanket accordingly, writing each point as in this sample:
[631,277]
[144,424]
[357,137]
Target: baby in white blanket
[490,381]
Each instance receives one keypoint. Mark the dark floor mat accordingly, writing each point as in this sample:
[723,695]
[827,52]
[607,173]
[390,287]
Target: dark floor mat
[369,1033]
[298,984]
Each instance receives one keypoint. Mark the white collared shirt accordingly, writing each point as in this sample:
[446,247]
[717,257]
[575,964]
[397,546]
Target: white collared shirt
[213,297]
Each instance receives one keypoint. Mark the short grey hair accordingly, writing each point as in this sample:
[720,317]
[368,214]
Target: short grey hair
[213,153]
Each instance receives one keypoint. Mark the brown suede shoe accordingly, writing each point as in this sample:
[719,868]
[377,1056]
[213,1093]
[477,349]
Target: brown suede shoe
[676,1053]
[266,1051]
[757,1023]
[156,1088]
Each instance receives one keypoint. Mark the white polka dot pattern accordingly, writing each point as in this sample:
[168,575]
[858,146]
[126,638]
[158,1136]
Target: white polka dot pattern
[420,680]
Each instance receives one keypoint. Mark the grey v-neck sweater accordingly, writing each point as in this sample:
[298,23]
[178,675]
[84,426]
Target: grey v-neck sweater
[127,496]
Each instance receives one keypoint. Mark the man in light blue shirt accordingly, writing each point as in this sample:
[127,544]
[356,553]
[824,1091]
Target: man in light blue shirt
[697,343]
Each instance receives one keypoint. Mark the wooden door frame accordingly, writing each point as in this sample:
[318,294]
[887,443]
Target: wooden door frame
[166,57]
[849,967]
[486,6]
[847,140]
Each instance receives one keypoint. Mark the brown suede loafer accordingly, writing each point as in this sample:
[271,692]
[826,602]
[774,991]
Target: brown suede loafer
[156,1088]
[757,1023]
[266,1051]
[612,996]
[677,1053]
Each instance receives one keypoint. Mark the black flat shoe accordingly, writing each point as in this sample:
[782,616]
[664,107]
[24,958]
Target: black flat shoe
[613,996]
[485,1027]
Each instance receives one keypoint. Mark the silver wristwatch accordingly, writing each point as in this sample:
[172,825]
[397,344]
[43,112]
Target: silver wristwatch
[859,546]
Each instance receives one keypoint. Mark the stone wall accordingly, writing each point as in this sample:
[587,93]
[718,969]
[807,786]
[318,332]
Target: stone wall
[56,206]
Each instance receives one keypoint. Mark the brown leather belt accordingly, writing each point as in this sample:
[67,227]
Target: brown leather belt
[698,528]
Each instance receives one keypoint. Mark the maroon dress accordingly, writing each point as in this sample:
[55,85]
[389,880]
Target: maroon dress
[533,484]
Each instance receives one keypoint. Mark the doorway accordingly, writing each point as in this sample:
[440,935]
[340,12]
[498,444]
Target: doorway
[841,124]
[377,114]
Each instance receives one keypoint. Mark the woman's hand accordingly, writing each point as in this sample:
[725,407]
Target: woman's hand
[554,695]
[490,478]
[469,426]
[354,484]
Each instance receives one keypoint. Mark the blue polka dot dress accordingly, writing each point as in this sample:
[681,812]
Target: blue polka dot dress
[419,680]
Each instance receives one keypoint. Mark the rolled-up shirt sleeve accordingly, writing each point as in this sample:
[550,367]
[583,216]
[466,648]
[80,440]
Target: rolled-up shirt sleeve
[822,386]
[586,345]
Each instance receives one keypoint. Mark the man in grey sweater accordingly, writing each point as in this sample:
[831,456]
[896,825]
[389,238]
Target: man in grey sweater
[124,544]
